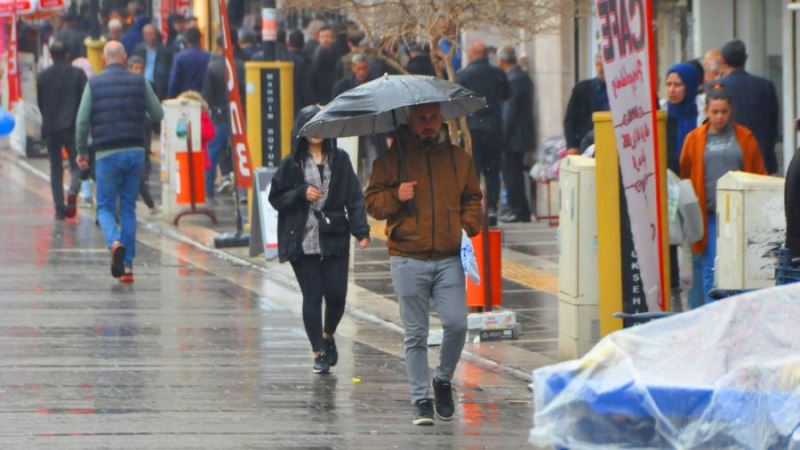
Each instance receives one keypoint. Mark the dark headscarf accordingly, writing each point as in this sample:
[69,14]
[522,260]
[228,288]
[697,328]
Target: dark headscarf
[300,143]
[684,112]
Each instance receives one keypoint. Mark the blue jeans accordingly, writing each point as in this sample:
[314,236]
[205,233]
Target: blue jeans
[118,178]
[216,148]
[708,258]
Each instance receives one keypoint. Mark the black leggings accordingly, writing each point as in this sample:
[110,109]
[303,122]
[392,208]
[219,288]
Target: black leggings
[322,277]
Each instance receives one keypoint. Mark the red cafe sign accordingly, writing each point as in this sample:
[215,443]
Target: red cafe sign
[20,7]
[52,5]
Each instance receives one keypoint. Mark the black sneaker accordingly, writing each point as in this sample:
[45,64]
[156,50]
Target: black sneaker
[423,412]
[321,365]
[330,350]
[443,393]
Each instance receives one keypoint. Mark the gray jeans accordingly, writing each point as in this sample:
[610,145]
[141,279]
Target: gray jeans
[420,285]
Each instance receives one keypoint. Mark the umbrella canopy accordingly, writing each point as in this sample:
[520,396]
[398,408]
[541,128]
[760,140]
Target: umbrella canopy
[382,104]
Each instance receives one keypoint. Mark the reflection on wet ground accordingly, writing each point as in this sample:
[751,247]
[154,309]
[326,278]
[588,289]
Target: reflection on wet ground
[194,355]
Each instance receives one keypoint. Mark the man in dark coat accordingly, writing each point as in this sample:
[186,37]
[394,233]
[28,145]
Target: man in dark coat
[792,206]
[486,126]
[518,130]
[323,67]
[755,103]
[189,67]
[59,89]
[157,60]
[359,67]
[303,95]
[420,62]
[369,147]
[311,45]
[588,97]
[71,37]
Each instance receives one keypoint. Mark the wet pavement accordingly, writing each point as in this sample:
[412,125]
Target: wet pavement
[201,352]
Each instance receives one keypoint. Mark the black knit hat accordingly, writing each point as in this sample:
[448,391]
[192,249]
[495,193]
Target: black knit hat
[734,53]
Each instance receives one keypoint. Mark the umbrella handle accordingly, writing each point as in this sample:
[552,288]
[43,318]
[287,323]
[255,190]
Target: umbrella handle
[401,158]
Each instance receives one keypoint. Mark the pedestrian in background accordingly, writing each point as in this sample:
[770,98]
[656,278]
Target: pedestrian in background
[59,90]
[369,147]
[215,93]
[189,66]
[320,204]
[420,62]
[115,107]
[588,97]
[682,84]
[709,152]
[134,36]
[157,60]
[114,30]
[137,65]
[712,71]
[312,43]
[792,206]
[248,42]
[486,126]
[303,94]
[425,211]
[755,102]
[518,131]
[323,67]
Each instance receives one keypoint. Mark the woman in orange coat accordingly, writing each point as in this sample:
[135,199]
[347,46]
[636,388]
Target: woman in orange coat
[709,152]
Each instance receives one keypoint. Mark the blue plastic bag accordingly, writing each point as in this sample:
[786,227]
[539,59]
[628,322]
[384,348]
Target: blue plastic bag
[468,261]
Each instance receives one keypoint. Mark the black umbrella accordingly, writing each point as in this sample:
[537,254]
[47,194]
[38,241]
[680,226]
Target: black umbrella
[381,105]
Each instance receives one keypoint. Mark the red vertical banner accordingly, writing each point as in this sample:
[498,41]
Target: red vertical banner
[13,65]
[628,51]
[651,39]
[241,152]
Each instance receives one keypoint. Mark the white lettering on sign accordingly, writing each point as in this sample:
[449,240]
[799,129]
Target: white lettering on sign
[626,35]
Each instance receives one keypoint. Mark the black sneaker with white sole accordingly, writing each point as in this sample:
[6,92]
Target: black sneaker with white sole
[321,365]
[443,393]
[330,350]
[423,412]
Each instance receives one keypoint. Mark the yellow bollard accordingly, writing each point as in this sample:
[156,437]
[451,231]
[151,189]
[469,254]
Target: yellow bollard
[609,250]
[94,53]
[269,91]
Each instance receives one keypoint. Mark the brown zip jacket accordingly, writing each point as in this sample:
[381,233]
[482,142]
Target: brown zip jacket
[447,198]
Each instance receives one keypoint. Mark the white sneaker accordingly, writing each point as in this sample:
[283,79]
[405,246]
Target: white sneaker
[225,185]
[85,195]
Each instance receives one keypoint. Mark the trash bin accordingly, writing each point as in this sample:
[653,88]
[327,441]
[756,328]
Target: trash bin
[476,293]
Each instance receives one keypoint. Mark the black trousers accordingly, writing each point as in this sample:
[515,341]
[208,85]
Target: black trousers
[144,186]
[514,177]
[322,278]
[487,155]
[55,142]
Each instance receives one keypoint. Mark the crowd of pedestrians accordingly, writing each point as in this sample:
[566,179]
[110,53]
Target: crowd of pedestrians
[720,119]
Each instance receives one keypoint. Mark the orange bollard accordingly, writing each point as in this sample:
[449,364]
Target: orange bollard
[476,296]
[184,196]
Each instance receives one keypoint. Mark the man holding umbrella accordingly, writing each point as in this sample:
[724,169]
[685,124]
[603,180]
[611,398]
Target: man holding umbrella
[427,191]
[425,213]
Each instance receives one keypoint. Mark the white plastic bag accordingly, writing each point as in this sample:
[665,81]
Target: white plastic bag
[468,261]
[683,212]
